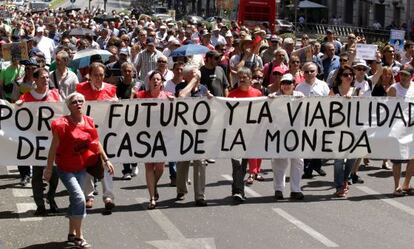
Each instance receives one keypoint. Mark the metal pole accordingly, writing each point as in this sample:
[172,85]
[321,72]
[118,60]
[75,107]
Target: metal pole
[296,16]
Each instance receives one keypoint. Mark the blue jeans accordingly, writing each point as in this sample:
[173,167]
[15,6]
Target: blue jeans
[73,182]
[342,170]
[173,170]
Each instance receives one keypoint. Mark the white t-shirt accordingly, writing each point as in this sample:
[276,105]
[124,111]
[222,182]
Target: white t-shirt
[318,88]
[363,86]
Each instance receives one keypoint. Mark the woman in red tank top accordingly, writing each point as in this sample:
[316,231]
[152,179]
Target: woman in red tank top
[75,145]
[153,171]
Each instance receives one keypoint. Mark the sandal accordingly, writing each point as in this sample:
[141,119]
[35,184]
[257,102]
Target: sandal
[259,178]
[152,204]
[250,180]
[408,191]
[81,243]
[71,239]
[398,193]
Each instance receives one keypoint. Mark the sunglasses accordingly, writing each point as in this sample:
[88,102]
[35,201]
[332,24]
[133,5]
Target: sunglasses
[348,74]
[162,61]
[257,77]
[309,71]
[286,82]
[359,69]
[77,101]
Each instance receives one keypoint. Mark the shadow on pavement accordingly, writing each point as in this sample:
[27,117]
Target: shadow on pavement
[51,245]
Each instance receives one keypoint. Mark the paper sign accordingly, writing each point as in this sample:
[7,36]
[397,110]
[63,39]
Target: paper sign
[397,39]
[366,51]
[15,50]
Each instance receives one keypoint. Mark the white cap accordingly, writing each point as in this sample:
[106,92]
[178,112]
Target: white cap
[287,77]
[40,29]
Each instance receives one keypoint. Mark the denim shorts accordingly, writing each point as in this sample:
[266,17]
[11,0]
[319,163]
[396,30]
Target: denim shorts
[73,182]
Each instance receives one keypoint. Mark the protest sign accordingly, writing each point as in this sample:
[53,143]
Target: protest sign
[397,39]
[15,50]
[366,51]
[153,130]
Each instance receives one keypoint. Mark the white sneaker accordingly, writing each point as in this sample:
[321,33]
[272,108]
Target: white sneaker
[127,176]
[135,171]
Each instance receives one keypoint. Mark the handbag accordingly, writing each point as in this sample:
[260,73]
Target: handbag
[97,170]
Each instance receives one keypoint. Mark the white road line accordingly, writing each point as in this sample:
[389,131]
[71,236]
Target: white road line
[248,190]
[22,192]
[166,225]
[24,215]
[307,229]
[383,198]
[12,170]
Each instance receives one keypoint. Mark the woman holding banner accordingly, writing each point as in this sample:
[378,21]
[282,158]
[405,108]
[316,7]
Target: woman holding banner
[153,170]
[280,165]
[75,142]
[96,89]
[42,93]
[343,86]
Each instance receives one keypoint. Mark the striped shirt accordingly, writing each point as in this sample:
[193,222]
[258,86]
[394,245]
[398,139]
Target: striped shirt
[146,62]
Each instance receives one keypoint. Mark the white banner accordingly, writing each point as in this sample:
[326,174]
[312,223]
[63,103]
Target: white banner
[183,129]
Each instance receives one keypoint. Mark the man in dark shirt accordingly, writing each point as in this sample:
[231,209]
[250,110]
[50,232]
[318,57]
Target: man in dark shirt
[213,76]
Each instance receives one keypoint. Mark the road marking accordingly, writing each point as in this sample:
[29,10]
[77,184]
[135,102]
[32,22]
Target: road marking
[12,170]
[175,238]
[307,229]
[23,192]
[383,198]
[24,214]
[248,190]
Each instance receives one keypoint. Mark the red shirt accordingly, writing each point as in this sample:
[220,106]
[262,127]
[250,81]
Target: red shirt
[108,91]
[250,93]
[51,96]
[77,143]
[146,95]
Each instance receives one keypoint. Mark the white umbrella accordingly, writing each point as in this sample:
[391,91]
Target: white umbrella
[310,5]
[82,58]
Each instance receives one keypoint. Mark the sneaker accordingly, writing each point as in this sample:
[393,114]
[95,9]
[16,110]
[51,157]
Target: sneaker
[307,176]
[135,171]
[40,211]
[386,165]
[201,203]
[297,196]
[279,195]
[180,197]
[239,197]
[356,179]
[24,181]
[321,172]
[127,176]
[210,160]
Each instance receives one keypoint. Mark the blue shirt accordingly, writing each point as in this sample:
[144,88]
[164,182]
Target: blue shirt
[330,65]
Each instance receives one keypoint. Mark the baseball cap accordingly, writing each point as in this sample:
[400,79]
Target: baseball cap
[287,77]
[213,53]
[278,69]
[150,40]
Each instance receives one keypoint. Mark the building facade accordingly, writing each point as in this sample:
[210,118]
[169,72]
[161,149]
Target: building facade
[368,12]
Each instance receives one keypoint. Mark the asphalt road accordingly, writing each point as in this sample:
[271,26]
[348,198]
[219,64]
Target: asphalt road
[368,218]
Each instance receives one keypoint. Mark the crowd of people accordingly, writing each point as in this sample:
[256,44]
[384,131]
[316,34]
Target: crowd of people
[241,62]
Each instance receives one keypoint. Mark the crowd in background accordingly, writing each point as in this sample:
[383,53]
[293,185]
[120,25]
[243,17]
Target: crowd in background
[241,62]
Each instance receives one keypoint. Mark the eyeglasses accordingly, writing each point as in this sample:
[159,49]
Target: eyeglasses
[77,101]
[359,68]
[348,74]
[309,71]
[162,61]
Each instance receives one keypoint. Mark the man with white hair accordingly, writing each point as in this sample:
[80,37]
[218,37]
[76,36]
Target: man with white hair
[191,87]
